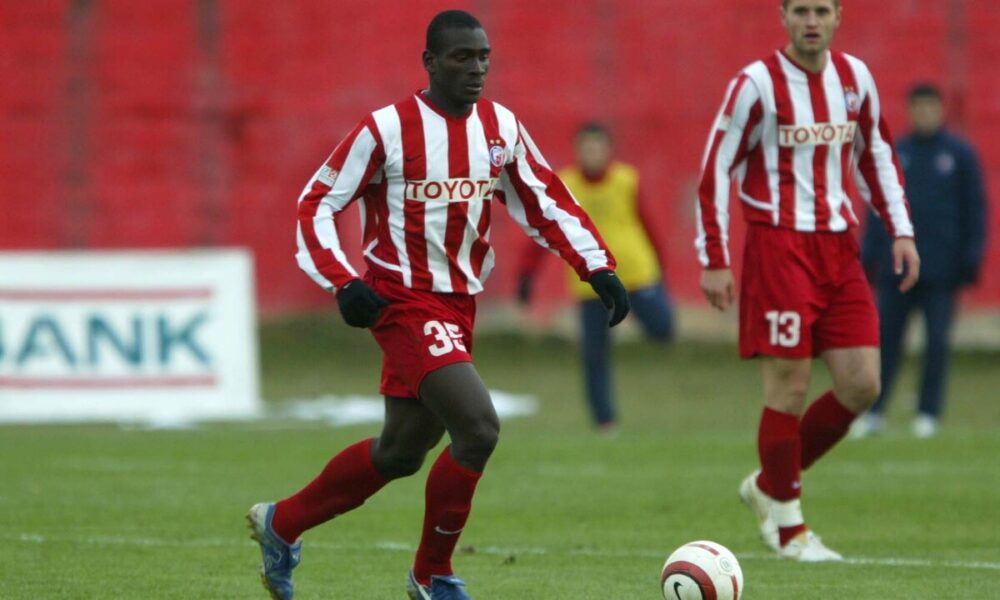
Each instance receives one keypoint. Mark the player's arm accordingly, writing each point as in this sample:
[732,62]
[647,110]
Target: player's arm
[336,184]
[880,181]
[546,210]
[734,134]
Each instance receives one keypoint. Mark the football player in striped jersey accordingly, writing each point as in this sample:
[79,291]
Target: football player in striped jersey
[801,136]
[427,172]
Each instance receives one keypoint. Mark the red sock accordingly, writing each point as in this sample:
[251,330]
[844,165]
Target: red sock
[450,487]
[824,424]
[779,449]
[346,482]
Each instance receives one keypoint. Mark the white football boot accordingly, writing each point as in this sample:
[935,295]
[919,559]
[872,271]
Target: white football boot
[807,547]
[760,504]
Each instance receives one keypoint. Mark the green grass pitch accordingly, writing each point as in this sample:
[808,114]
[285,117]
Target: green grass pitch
[109,512]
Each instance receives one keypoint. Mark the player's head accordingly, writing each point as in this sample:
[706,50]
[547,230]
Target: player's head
[810,24]
[457,56]
[593,147]
[926,109]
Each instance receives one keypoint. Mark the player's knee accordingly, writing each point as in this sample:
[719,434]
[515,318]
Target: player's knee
[395,467]
[786,389]
[794,386]
[484,439]
[798,392]
[393,462]
[474,447]
[870,388]
[862,391]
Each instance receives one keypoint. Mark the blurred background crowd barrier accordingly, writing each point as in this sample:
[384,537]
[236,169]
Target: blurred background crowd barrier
[193,123]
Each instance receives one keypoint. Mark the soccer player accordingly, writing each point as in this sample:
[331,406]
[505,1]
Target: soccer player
[609,191]
[800,135]
[946,192]
[426,171]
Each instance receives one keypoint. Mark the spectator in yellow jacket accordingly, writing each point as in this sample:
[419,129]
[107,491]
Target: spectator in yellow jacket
[609,192]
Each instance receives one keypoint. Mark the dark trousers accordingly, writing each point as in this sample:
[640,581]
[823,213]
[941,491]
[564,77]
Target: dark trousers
[653,307]
[937,304]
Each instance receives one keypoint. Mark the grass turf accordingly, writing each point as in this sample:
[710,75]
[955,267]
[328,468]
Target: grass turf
[102,511]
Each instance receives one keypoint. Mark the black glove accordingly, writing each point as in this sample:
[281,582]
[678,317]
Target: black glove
[359,305]
[525,286]
[612,293]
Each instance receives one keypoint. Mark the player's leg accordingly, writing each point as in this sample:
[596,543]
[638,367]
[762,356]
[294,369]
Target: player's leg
[786,382]
[778,296]
[595,348]
[939,307]
[348,479]
[457,395]
[655,312]
[360,470]
[847,335]
[855,373]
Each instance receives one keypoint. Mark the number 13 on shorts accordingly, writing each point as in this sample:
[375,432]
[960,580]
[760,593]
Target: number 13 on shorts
[786,328]
[447,337]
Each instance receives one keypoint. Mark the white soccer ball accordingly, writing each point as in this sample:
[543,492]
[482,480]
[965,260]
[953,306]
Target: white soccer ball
[702,571]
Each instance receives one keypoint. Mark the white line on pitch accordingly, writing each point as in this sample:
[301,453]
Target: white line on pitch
[35,538]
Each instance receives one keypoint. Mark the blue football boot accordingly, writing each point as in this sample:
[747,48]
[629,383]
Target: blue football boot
[277,558]
[441,588]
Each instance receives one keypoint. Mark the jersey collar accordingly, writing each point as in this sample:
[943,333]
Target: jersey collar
[421,97]
[804,70]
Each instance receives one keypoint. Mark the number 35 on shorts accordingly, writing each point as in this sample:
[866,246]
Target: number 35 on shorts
[447,337]
[786,328]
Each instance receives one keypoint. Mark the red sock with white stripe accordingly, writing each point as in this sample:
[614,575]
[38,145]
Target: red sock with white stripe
[824,424]
[779,448]
[450,487]
[346,482]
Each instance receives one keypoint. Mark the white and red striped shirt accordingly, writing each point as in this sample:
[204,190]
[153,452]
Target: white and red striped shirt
[800,146]
[427,180]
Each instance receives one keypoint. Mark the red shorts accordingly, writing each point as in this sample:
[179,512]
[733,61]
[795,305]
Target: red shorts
[802,293]
[419,332]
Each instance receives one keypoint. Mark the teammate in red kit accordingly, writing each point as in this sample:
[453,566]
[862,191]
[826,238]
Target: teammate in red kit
[426,171]
[800,135]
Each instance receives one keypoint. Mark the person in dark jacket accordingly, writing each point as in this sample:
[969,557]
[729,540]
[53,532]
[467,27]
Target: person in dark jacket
[946,193]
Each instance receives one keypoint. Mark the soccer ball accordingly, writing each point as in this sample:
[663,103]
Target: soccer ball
[702,571]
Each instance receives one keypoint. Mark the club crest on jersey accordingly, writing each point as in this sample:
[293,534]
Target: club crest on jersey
[852,100]
[327,175]
[496,153]
[945,163]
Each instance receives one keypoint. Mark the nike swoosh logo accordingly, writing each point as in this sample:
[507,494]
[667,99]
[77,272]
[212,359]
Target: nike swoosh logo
[677,592]
[446,532]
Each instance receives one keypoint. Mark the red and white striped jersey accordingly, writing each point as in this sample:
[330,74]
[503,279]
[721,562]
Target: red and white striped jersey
[427,181]
[799,147]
